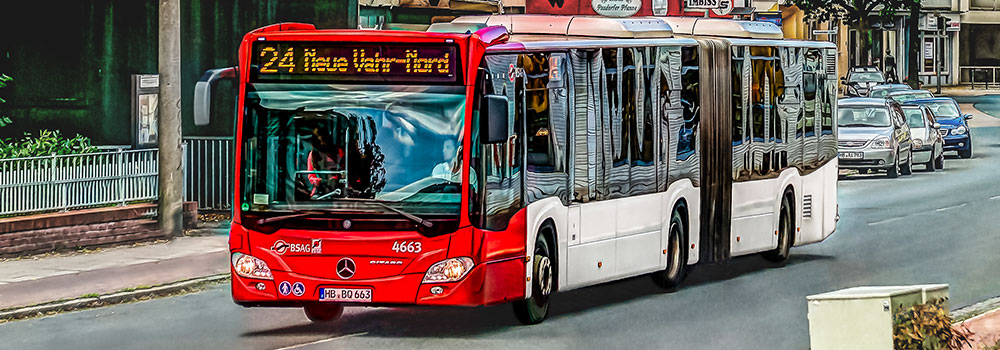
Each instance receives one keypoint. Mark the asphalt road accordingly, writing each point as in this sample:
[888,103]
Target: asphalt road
[936,227]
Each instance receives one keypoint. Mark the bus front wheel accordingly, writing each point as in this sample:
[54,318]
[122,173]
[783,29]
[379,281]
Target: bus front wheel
[324,312]
[534,309]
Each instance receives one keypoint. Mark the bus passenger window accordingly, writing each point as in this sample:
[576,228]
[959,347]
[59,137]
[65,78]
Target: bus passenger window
[687,136]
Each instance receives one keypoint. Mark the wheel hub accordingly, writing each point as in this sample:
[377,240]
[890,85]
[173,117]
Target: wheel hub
[543,274]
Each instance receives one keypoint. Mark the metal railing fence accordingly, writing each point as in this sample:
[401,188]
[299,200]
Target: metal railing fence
[63,182]
[979,76]
[208,178]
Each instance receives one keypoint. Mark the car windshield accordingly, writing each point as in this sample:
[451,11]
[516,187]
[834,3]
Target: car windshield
[319,146]
[886,91]
[944,109]
[869,116]
[865,77]
[914,117]
[910,96]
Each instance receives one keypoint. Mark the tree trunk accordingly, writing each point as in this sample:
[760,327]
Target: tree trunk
[864,40]
[913,50]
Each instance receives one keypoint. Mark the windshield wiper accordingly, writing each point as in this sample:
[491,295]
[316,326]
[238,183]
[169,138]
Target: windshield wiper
[415,218]
[286,217]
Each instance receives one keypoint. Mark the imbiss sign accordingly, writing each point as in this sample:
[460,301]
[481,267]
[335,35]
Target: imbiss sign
[707,4]
[616,8]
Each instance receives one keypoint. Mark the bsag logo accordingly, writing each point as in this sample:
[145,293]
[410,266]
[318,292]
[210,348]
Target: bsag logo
[280,247]
[317,246]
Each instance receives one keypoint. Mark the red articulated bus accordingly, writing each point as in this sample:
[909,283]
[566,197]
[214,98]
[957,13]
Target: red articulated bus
[500,159]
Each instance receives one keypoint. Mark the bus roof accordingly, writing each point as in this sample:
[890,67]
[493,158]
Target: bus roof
[577,26]
[699,26]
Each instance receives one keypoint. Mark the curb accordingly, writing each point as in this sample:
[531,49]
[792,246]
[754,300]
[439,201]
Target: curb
[966,313]
[107,299]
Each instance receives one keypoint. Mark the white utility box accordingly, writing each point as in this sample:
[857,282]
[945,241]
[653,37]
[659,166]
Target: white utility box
[861,317]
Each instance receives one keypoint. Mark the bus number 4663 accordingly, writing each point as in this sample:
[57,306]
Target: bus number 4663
[406,247]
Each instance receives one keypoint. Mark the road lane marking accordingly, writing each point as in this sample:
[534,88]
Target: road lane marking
[994,197]
[321,341]
[949,208]
[885,221]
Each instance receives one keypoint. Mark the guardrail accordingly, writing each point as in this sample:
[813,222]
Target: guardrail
[208,178]
[63,182]
[976,75]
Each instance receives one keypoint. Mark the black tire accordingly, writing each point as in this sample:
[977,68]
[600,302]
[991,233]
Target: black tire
[543,283]
[324,312]
[907,168]
[966,153]
[893,171]
[939,162]
[786,232]
[929,166]
[672,276]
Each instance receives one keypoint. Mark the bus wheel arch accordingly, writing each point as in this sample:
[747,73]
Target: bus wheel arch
[544,276]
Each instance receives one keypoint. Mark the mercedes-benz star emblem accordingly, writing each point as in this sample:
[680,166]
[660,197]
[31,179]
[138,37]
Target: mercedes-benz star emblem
[346,268]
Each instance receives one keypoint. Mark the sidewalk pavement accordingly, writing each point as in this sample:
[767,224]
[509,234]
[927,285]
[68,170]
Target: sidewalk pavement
[31,281]
[985,329]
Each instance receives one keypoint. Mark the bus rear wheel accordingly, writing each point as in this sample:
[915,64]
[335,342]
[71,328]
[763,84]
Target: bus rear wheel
[534,309]
[786,235]
[672,276]
[324,312]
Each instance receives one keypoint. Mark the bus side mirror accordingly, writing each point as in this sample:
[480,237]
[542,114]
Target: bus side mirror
[494,128]
[203,93]
[968,116]
[936,125]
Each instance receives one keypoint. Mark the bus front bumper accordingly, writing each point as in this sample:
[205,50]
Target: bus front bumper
[487,283]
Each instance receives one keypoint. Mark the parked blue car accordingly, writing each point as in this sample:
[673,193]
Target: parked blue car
[954,124]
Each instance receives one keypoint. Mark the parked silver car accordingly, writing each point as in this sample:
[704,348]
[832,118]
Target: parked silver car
[874,135]
[928,145]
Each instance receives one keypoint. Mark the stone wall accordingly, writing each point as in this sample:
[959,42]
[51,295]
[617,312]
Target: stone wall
[24,235]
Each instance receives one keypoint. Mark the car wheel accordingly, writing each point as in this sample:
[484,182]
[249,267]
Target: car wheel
[930,164]
[939,162]
[324,312]
[534,310]
[676,252]
[907,168]
[893,171]
[786,235]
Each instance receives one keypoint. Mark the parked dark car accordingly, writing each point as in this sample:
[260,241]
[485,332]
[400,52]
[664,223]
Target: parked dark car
[860,80]
[954,124]
[873,136]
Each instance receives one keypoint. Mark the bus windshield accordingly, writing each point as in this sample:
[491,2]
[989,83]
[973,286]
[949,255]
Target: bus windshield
[339,146]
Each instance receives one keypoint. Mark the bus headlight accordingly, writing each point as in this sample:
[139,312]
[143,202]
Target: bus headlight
[959,130]
[251,267]
[448,270]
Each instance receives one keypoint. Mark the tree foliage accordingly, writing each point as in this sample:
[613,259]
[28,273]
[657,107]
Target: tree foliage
[46,143]
[4,79]
[856,14]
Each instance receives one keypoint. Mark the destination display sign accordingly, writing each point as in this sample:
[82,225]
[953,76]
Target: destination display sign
[280,61]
